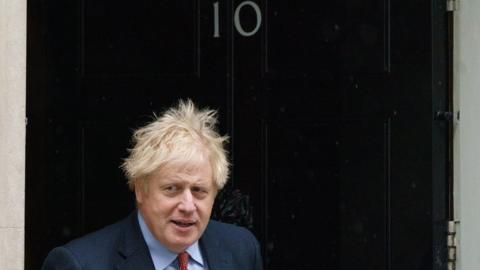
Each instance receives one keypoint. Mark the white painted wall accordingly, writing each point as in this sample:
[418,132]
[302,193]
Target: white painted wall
[467,132]
[12,132]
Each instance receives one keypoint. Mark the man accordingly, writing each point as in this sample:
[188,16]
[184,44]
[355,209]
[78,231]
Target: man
[176,168]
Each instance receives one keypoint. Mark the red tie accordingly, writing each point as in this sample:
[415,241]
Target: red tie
[183,261]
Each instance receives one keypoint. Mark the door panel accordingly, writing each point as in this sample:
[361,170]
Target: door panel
[364,195]
[122,38]
[303,195]
[305,36]
[329,106]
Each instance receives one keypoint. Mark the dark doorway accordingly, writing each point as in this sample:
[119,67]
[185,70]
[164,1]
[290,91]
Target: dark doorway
[330,107]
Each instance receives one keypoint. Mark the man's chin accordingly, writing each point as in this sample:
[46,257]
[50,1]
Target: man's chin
[182,240]
[180,246]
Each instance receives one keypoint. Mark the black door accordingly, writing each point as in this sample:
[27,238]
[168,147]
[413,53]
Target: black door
[330,106]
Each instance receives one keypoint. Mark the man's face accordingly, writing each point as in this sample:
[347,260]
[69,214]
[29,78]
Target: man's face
[177,203]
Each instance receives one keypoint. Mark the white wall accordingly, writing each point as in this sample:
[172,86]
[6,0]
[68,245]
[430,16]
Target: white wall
[12,132]
[467,132]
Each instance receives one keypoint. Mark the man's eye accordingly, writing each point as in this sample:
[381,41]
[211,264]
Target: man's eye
[171,188]
[200,190]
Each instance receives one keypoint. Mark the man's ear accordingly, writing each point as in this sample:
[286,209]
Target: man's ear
[139,191]
[217,190]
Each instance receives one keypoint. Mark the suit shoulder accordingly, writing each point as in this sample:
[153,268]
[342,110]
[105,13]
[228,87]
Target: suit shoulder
[82,252]
[96,248]
[242,244]
[230,231]
[61,258]
[103,237]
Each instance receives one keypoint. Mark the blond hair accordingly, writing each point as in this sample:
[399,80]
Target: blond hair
[175,137]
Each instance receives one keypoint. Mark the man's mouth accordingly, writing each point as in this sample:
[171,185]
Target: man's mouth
[183,224]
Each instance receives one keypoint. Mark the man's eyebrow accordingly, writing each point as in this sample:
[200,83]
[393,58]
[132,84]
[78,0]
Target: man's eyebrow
[202,183]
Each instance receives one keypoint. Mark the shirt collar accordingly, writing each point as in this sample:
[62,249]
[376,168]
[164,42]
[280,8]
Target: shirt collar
[161,256]
[194,252]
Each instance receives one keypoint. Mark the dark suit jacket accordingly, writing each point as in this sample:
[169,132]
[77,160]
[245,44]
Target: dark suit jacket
[121,246]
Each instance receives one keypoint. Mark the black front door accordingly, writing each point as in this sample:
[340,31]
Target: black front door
[330,107]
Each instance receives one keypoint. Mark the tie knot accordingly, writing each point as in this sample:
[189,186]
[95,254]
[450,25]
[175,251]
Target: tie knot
[183,260]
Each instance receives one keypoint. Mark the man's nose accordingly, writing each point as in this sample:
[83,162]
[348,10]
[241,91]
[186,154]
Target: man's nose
[187,204]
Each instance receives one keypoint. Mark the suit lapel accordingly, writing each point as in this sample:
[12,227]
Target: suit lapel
[132,249]
[218,258]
